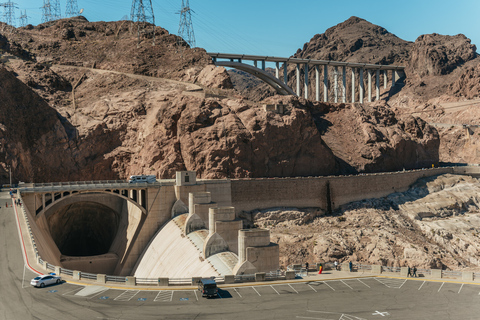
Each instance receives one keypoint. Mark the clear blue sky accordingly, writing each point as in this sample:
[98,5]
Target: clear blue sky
[280,27]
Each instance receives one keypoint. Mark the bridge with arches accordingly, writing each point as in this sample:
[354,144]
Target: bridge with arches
[374,72]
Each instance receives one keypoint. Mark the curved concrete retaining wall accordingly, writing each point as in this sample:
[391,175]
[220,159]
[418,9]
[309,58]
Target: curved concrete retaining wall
[322,192]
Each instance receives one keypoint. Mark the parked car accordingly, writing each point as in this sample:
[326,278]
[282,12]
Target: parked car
[45,280]
[208,288]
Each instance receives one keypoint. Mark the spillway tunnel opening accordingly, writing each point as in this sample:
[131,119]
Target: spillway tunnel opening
[84,228]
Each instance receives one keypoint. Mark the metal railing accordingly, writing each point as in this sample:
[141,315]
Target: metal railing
[115,279]
[391,269]
[180,281]
[91,276]
[147,281]
[451,274]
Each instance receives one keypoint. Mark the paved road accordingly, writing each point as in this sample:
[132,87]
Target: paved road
[352,299]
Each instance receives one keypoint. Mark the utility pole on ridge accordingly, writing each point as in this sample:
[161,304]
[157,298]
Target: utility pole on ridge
[185,28]
[46,11]
[143,14]
[23,19]
[72,8]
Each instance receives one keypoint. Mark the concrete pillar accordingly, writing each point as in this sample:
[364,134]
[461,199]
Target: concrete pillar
[385,78]
[260,276]
[277,70]
[369,85]
[403,271]
[229,279]
[131,281]
[393,78]
[101,278]
[43,200]
[344,84]
[290,275]
[317,83]
[298,79]
[77,275]
[195,280]
[376,269]
[163,282]
[57,270]
[285,73]
[240,60]
[335,83]
[255,63]
[467,276]
[306,80]
[362,86]
[436,273]
[263,65]
[325,83]
[377,85]
[353,85]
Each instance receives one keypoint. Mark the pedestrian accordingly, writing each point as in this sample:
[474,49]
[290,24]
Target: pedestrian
[320,268]
[350,266]
[414,274]
[306,266]
[6,204]
[336,265]
[409,272]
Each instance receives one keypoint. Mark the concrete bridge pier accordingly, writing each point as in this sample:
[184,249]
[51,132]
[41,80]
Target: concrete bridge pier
[325,83]
[362,85]
[377,84]
[369,85]
[385,79]
[335,83]
[298,79]
[317,83]
[344,84]
[306,80]
[393,78]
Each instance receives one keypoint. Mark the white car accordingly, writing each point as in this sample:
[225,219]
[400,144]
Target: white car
[45,280]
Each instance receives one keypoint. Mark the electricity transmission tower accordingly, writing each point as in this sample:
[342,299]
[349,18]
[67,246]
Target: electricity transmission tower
[9,12]
[185,28]
[56,12]
[46,11]
[72,8]
[23,19]
[142,14]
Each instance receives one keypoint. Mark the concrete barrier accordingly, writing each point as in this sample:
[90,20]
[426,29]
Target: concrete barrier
[467,276]
[131,281]
[290,275]
[229,279]
[101,278]
[260,276]
[404,272]
[377,269]
[163,282]
[77,275]
[436,273]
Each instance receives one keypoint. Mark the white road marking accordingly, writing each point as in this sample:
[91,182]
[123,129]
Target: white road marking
[422,285]
[378,313]
[164,296]
[78,289]
[392,283]
[364,283]
[196,297]
[293,288]
[441,287]
[460,288]
[346,284]
[127,295]
[256,291]
[98,294]
[237,292]
[275,289]
[299,317]
[328,285]
[317,291]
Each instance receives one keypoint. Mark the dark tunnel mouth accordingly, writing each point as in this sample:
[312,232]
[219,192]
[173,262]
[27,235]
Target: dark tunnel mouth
[84,228]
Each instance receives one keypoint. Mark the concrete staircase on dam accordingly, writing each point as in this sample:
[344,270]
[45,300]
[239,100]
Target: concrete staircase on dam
[171,254]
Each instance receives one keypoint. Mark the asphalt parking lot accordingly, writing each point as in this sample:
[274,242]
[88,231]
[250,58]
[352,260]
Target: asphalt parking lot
[340,299]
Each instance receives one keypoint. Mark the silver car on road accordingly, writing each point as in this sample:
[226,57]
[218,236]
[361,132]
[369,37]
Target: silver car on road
[46,280]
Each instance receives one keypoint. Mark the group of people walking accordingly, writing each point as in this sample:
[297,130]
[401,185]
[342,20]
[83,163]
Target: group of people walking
[412,272]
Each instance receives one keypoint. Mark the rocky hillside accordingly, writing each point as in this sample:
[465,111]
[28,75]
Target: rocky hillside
[433,225]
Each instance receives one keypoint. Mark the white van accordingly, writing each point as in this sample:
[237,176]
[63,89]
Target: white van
[142,178]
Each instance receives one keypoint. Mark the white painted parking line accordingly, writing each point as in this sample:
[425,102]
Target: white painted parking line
[237,292]
[78,289]
[312,288]
[441,287]
[299,317]
[98,294]
[391,283]
[328,285]
[127,295]
[196,297]
[346,284]
[275,289]
[460,288]
[422,285]
[293,288]
[364,283]
[256,291]
[164,296]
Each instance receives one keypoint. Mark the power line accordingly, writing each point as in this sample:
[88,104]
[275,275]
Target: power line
[143,14]
[46,11]
[9,12]
[185,28]
[71,9]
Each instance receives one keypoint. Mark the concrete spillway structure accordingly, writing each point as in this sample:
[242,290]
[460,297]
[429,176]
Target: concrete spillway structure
[143,229]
